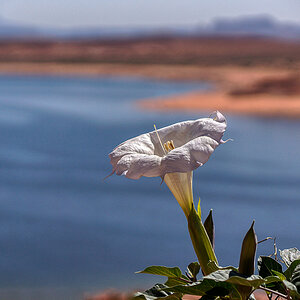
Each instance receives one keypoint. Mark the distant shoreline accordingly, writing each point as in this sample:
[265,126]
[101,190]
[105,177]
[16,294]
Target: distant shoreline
[256,90]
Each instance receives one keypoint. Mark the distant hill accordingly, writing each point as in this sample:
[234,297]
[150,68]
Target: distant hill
[253,25]
[10,30]
[265,26]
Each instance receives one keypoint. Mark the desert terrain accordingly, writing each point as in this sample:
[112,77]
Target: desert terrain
[250,75]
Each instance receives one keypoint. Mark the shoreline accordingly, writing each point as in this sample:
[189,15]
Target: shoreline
[260,106]
[256,90]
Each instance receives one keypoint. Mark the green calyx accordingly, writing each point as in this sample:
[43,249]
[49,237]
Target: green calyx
[202,244]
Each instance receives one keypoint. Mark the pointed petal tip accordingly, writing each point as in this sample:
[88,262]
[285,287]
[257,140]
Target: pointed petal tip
[217,116]
[228,140]
[124,173]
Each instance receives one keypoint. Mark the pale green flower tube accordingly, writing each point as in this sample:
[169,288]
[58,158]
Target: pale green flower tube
[180,184]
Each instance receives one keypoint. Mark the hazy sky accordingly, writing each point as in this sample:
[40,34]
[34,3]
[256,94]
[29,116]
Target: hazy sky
[72,13]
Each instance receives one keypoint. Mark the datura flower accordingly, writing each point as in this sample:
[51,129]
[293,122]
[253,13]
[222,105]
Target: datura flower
[172,153]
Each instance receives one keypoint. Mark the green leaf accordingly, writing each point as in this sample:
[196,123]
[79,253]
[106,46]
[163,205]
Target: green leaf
[271,279]
[208,287]
[157,292]
[253,281]
[292,289]
[201,242]
[194,269]
[199,209]
[163,271]
[173,282]
[205,286]
[280,275]
[266,265]
[295,278]
[248,252]
[210,228]
[236,278]
[289,271]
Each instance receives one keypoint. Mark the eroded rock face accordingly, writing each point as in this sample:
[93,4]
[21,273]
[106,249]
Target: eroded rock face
[288,85]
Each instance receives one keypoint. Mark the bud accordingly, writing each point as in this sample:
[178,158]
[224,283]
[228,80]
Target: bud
[247,258]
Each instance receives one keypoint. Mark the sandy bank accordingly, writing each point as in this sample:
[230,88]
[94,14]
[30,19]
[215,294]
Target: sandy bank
[262,105]
[242,90]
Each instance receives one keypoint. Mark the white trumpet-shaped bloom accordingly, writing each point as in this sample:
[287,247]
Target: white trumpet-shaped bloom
[194,142]
[172,153]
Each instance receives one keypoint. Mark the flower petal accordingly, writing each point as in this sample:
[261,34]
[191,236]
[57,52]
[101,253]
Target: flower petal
[141,144]
[194,142]
[189,156]
[181,186]
[183,132]
[134,166]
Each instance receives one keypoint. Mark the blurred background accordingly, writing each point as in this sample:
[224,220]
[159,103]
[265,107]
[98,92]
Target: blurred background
[79,77]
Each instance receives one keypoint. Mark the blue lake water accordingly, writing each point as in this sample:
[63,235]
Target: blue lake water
[64,231]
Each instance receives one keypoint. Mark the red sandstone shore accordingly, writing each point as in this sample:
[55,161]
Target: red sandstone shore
[241,90]
[251,75]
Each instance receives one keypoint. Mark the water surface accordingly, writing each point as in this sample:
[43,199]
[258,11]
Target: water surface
[65,231]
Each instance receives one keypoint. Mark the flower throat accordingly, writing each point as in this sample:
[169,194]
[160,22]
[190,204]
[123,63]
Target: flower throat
[168,146]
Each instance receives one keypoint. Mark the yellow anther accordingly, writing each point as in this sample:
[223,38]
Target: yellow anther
[169,145]
[172,145]
[166,147]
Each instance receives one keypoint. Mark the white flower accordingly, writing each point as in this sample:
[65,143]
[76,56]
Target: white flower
[172,153]
[289,255]
[194,142]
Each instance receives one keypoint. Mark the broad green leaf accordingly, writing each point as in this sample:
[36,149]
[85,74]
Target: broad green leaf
[157,292]
[253,281]
[202,287]
[174,281]
[210,228]
[271,279]
[292,289]
[248,252]
[208,287]
[194,269]
[266,265]
[295,279]
[278,274]
[236,278]
[212,266]
[289,271]
[163,271]
[145,296]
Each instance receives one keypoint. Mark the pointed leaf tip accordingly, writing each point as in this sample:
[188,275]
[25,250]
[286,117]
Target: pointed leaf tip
[248,252]
[199,209]
[210,228]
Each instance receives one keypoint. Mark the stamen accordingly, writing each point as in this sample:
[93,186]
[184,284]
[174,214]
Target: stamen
[166,147]
[169,145]
[172,145]
[159,140]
